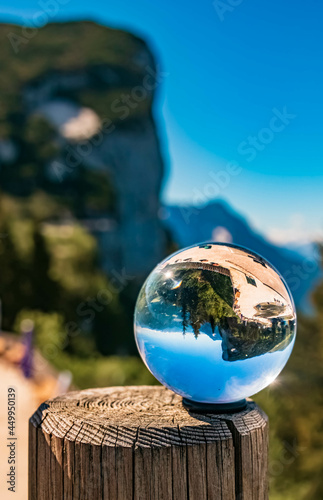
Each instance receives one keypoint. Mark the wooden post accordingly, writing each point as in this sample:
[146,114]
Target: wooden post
[140,443]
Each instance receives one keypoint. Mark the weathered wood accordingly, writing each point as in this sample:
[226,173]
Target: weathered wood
[140,443]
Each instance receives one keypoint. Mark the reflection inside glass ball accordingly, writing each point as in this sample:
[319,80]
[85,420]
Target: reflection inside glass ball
[215,323]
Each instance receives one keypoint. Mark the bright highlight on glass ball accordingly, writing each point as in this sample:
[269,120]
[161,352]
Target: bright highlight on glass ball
[216,323]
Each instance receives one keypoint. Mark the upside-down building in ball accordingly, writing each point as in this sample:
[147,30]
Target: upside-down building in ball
[215,322]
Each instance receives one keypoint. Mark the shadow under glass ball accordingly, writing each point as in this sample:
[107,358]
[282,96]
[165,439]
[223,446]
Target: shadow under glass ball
[215,323]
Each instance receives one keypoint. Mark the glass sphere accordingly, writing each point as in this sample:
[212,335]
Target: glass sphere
[215,323]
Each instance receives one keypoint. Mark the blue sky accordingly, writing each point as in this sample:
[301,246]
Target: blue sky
[244,84]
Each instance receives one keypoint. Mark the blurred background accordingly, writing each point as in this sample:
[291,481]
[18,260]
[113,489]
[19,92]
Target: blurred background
[129,130]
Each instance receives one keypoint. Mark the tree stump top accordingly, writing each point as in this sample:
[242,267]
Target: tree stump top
[212,453]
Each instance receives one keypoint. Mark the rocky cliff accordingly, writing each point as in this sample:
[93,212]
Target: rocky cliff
[77,123]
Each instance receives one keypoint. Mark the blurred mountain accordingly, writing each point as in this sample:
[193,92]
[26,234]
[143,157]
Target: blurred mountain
[76,123]
[309,250]
[217,221]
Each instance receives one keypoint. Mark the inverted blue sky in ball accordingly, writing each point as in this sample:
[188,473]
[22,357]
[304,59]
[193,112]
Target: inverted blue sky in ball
[215,323]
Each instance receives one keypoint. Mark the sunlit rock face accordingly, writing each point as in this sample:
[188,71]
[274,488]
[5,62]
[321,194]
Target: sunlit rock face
[73,122]
[116,137]
[215,323]
[83,96]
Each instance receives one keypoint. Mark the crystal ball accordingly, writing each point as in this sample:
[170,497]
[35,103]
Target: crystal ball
[216,323]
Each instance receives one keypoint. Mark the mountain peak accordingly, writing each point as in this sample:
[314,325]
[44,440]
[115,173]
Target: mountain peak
[219,222]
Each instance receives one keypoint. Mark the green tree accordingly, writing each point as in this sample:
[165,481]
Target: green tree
[202,297]
[14,286]
[45,291]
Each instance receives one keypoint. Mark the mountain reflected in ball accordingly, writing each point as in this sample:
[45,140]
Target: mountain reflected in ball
[215,323]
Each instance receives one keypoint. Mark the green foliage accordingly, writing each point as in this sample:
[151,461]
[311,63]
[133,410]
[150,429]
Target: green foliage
[49,262]
[43,161]
[202,297]
[88,367]
[205,297]
[40,137]
[103,371]
[294,405]
[49,331]
[25,266]
[54,267]
[65,47]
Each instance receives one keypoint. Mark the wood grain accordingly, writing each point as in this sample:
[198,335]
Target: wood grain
[140,443]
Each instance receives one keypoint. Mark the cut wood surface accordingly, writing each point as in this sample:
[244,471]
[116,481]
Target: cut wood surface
[140,443]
